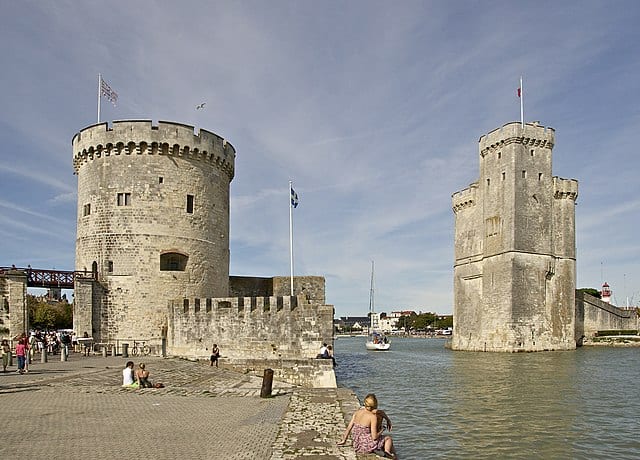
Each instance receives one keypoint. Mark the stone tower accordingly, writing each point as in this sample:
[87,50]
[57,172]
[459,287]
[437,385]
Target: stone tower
[153,224]
[514,270]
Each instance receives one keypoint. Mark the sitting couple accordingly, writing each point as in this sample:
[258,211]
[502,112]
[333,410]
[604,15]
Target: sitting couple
[366,429]
[137,379]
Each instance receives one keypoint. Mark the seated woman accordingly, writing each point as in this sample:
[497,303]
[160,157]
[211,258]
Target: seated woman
[365,432]
[127,376]
[142,376]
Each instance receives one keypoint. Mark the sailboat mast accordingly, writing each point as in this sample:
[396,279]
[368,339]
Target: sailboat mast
[371,301]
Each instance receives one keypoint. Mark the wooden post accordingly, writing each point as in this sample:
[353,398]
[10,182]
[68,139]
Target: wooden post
[267,383]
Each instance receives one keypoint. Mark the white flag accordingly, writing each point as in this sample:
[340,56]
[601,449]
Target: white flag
[107,92]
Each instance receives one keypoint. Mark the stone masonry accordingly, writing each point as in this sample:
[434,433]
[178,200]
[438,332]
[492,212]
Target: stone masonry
[514,270]
[153,233]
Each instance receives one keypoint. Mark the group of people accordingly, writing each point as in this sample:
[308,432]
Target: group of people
[138,378]
[326,352]
[366,427]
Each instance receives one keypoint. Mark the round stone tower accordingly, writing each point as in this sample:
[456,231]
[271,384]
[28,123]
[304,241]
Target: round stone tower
[153,224]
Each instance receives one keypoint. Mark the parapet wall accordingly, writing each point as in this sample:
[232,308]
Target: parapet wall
[140,137]
[532,135]
[245,328]
[311,287]
[565,188]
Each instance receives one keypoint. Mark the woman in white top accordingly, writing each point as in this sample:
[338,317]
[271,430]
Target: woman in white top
[127,375]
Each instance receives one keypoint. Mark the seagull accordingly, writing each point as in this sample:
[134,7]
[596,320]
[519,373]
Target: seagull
[201,106]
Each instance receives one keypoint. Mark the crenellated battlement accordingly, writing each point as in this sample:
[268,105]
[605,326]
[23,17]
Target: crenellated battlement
[267,328]
[465,198]
[141,137]
[531,134]
[565,189]
[241,305]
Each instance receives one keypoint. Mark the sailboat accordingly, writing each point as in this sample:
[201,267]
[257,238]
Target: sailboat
[376,341]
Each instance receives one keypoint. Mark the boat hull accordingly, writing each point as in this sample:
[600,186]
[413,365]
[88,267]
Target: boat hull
[377,346]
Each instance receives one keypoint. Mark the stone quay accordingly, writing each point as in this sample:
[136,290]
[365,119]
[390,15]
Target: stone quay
[78,408]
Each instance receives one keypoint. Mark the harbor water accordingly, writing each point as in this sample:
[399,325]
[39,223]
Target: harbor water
[582,404]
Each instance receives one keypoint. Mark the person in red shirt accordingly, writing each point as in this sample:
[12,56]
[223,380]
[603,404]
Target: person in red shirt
[21,354]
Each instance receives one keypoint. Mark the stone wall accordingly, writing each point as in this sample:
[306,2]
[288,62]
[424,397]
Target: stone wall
[5,317]
[514,269]
[311,373]
[13,309]
[593,315]
[265,328]
[153,222]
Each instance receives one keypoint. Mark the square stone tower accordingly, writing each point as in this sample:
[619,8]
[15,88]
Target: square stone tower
[514,270]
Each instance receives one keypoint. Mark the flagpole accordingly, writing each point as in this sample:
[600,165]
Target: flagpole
[291,232]
[521,103]
[99,83]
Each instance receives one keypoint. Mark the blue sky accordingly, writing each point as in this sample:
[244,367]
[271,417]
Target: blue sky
[372,108]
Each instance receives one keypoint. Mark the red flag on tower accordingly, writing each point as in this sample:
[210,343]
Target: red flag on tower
[521,103]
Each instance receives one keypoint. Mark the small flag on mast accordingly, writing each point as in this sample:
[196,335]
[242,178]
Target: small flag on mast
[521,96]
[294,198]
[107,92]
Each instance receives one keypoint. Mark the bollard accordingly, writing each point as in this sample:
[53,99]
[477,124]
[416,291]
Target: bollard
[63,354]
[114,350]
[104,351]
[125,350]
[43,356]
[267,382]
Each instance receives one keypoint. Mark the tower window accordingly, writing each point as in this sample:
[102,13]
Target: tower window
[539,176]
[173,262]
[196,305]
[524,174]
[499,155]
[86,209]
[160,180]
[110,266]
[532,153]
[124,199]
[488,182]
[190,204]
[504,175]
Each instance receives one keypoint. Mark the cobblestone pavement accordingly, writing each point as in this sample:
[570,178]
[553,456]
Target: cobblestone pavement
[78,409]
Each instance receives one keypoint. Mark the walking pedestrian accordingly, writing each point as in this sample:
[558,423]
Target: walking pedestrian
[5,349]
[215,354]
[21,354]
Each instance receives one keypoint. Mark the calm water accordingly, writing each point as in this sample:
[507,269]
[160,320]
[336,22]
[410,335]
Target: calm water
[552,405]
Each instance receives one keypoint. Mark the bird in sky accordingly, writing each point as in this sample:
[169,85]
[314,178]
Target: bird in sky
[200,106]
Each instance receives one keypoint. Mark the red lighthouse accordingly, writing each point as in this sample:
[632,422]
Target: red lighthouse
[605,295]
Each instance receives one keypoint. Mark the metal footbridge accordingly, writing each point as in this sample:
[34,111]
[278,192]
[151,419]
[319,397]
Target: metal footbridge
[44,278]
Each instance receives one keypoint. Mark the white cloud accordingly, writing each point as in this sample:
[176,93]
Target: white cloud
[373,109]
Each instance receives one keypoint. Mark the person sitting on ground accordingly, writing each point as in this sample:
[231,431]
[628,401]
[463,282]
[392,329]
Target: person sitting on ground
[324,352]
[330,353]
[127,376]
[142,376]
[215,354]
[366,436]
